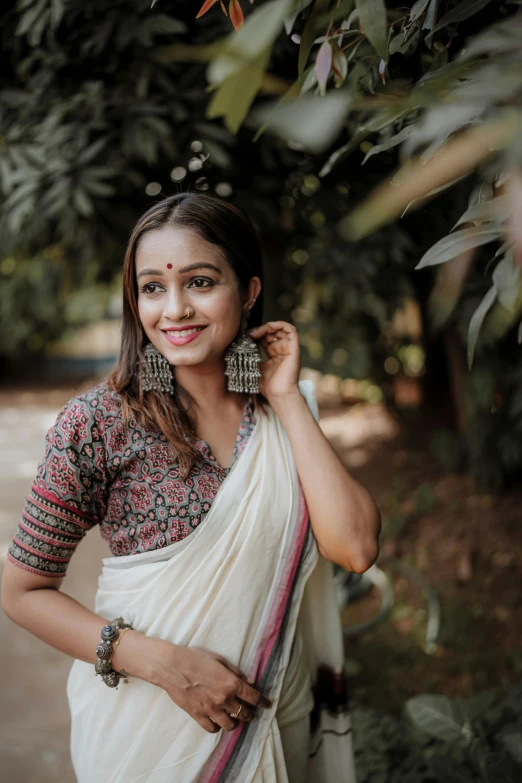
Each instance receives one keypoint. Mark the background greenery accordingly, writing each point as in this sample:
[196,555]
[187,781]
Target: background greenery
[106,108]
[378,150]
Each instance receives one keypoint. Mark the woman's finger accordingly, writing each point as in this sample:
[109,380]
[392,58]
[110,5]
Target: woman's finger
[223,719]
[245,713]
[271,327]
[252,696]
[208,725]
[233,668]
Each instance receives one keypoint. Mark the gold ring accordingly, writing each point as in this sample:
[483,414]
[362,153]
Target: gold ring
[236,714]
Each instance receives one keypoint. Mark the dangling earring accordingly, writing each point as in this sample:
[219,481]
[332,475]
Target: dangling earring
[156,374]
[241,358]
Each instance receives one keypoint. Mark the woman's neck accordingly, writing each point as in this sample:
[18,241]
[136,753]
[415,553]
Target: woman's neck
[202,386]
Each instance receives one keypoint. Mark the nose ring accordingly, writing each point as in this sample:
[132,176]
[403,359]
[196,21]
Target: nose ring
[187,312]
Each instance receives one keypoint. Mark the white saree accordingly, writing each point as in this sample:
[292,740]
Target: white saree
[248,584]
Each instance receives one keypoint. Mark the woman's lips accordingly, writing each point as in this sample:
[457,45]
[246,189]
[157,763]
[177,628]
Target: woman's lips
[175,338]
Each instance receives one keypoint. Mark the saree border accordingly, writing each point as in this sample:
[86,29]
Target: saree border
[228,758]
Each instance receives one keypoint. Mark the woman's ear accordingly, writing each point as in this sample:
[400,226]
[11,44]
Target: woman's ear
[254,289]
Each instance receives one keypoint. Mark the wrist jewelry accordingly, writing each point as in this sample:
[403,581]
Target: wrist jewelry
[105,650]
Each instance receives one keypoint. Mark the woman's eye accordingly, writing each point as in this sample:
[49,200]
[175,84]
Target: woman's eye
[146,288]
[201,282]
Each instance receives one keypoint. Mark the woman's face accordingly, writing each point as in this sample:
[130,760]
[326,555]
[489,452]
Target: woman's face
[177,269]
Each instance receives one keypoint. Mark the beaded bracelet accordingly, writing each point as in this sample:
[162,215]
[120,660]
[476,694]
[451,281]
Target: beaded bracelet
[105,650]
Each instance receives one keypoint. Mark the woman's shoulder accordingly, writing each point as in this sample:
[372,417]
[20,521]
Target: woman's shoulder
[89,421]
[99,401]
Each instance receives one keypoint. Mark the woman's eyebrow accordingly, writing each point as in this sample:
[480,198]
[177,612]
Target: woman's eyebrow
[188,268]
[149,272]
[199,265]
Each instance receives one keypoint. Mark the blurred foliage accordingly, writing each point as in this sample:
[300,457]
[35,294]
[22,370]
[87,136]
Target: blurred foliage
[442,740]
[95,124]
[105,108]
[402,79]
[441,84]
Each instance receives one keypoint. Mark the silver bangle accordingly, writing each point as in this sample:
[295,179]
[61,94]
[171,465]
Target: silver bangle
[104,651]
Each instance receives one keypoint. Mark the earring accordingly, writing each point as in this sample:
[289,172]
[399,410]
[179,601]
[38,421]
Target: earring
[241,358]
[156,374]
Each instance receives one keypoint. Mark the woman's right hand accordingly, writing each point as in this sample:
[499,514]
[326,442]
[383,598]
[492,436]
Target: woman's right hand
[205,685]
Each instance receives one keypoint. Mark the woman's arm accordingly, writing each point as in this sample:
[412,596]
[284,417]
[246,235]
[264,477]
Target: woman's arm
[36,604]
[344,517]
[200,682]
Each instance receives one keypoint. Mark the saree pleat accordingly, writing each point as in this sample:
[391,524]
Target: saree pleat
[248,584]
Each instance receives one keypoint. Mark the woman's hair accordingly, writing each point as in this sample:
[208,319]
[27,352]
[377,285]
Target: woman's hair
[227,227]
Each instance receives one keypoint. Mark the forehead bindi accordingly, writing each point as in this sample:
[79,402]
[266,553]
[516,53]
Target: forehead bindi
[173,249]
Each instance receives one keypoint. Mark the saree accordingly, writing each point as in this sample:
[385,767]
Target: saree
[250,585]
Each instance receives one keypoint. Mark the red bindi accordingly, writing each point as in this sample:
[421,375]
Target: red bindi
[169,266]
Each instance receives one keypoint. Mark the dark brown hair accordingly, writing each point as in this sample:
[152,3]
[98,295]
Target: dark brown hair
[229,228]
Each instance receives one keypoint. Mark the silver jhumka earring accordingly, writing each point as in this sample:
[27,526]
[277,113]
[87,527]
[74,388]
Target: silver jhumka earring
[156,374]
[241,358]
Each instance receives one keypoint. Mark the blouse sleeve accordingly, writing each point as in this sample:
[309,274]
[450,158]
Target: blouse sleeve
[68,495]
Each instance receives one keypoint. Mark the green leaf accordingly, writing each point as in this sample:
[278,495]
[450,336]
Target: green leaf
[57,11]
[495,209]
[92,151]
[454,244]
[338,12]
[506,277]
[339,65]
[313,121]
[30,17]
[435,715]
[501,38]
[462,11]
[160,24]
[418,9]
[477,320]
[323,64]
[429,19]
[82,202]
[308,35]
[299,7]
[21,193]
[373,19]
[434,192]
[251,42]
[377,123]
[341,153]
[393,141]
[97,188]
[234,97]
[35,34]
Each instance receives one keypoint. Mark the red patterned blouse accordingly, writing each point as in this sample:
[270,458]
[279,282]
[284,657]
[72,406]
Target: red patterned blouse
[96,472]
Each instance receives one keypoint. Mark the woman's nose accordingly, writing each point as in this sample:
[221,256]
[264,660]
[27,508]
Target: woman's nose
[176,304]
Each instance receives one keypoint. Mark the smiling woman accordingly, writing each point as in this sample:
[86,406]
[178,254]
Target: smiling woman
[224,512]
[163,285]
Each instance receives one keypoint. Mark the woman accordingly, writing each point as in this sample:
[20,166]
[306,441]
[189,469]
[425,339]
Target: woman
[224,506]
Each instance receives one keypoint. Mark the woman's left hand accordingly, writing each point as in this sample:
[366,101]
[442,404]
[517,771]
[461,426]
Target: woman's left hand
[280,371]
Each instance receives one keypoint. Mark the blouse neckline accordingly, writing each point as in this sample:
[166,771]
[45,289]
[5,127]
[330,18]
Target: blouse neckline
[245,427]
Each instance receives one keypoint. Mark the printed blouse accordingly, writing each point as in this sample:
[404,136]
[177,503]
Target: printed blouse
[126,480]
